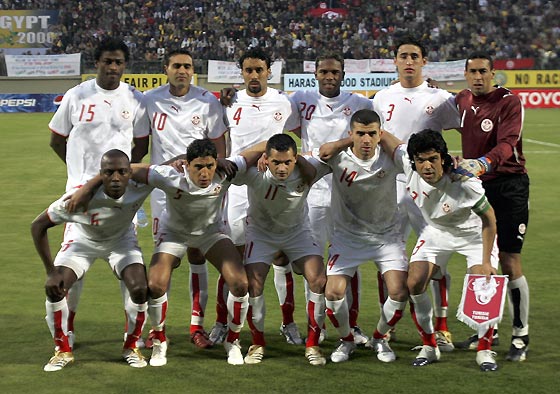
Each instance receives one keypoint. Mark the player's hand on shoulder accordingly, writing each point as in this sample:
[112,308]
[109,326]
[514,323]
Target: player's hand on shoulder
[261,163]
[227,96]
[79,200]
[432,83]
[470,168]
[226,167]
[328,150]
[179,165]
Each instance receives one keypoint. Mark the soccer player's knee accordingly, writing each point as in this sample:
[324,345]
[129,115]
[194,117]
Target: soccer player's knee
[239,287]
[317,284]
[156,288]
[138,293]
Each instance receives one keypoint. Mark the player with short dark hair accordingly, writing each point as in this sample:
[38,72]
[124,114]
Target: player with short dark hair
[491,126]
[104,231]
[180,113]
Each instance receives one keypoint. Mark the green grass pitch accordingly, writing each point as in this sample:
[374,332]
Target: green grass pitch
[32,177]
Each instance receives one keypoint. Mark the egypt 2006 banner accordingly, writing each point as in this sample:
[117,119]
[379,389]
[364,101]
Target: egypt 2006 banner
[27,29]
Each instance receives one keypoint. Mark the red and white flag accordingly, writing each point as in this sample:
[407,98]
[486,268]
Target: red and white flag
[482,302]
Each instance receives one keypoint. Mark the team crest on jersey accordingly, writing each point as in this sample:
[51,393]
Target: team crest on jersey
[486,125]
[446,208]
[195,120]
[300,188]
[347,111]
[429,110]
[522,228]
[381,174]
[125,114]
[278,116]
[217,189]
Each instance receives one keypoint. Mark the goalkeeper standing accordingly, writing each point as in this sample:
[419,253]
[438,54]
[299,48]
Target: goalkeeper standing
[491,123]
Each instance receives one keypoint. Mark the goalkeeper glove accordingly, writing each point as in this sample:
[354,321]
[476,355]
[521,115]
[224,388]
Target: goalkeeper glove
[470,168]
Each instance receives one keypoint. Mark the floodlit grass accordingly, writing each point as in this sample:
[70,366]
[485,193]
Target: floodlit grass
[33,177]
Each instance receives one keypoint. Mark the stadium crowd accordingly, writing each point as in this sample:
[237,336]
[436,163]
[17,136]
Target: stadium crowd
[221,30]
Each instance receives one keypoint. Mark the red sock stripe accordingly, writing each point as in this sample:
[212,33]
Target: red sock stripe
[485,343]
[332,318]
[288,306]
[443,291]
[195,288]
[131,339]
[60,339]
[221,303]
[396,317]
[313,329]
[257,336]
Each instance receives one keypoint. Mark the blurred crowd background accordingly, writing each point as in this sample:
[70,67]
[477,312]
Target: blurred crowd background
[222,30]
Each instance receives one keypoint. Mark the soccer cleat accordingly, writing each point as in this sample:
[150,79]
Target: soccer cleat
[314,355]
[218,333]
[471,343]
[427,355]
[254,355]
[359,337]
[159,353]
[444,342]
[518,349]
[343,351]
[291,332]
[200,339]
[486,359]
[323,335]
[233,350]
[58,361]
[383,350]
[134,358]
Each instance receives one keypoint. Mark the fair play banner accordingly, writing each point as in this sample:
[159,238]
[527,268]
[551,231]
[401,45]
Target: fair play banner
[482,302]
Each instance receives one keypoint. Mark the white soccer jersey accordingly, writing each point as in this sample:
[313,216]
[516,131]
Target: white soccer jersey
[255,119]
[191,210]
[107,219]
[404,111]
[364,196]
[96,120]
[276,206]
[323,120]
[175,122]
[447,205]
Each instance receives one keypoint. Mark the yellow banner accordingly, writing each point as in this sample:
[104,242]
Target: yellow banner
[528,78]
[143,82]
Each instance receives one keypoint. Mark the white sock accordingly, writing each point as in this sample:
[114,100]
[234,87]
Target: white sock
[237,311]
[315,317]
[136,315]
[392,312]
[258,311]
[423,312]
[440,292]
[157,309]
[338,314]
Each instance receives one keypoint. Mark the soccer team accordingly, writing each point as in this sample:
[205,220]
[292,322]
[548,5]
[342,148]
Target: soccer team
[370,170]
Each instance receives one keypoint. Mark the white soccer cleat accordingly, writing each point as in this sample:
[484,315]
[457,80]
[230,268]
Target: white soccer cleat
[159,353]
[254,355]
[314,356]
[134,358]
[58,361]
[233,350]
[383,350]
[343,351]
[359,337]
[427,355]
[291,332]
[444,341]
[486,360]
[218,333]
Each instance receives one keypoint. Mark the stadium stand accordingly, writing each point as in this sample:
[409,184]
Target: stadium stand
[220,30]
